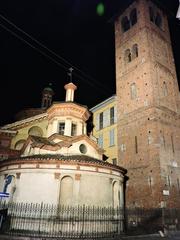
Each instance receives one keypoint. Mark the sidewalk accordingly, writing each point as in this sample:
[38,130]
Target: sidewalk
[171,236]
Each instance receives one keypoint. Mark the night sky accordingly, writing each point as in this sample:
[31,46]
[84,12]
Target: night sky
[74,31]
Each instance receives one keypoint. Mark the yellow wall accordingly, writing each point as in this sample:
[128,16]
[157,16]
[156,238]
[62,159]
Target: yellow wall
[110,151]
[22,133]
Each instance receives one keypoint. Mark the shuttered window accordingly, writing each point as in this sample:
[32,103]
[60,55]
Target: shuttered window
[101,120]
[112,115]
[100,140]
[111,137]
[106,118]
[115,114]
[97,122]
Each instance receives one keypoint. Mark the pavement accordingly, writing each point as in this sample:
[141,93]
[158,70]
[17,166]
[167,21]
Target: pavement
[157,236]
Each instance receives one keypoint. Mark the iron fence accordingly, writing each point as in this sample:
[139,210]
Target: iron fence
[83,222]
[44,220]
[147,221]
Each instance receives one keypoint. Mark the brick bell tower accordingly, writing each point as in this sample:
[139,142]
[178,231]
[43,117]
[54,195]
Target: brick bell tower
[148,106]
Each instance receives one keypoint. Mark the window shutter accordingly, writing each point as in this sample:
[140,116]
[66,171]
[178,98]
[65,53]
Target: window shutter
[97,122]
[106,118]
[100,141]
[115,114]
[111,137]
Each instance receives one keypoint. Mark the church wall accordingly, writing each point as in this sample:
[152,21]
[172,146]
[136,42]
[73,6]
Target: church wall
[35,186]
[23,131]
[38,183]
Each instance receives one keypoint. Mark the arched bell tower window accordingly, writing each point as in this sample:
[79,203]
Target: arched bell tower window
[151,14]
[158,20]
[133,17]
[128,56]
[125,24]
[155,17]
[134,51]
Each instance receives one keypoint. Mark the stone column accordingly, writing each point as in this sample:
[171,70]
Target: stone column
[85,129]
[68,125]
[79,128]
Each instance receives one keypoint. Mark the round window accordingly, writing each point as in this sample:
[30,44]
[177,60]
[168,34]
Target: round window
[83,148]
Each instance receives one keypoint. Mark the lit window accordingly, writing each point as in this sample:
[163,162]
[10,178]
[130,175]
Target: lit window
[73,129]
[61,128]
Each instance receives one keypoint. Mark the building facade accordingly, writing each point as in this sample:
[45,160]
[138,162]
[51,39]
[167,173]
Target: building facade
[105,127]
[148,106]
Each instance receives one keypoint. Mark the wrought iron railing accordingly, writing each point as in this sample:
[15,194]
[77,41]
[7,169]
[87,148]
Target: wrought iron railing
[83,222]
[44,220]
[146,221]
